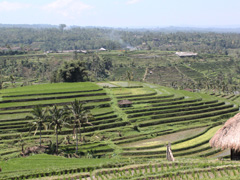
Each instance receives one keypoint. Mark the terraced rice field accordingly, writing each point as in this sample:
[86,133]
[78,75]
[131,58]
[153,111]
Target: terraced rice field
[131,135]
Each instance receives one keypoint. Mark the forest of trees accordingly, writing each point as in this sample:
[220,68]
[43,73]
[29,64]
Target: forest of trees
[217,63]
[57,39]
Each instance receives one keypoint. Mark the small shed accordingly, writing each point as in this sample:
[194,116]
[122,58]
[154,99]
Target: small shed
[125,103]
[186,54]
[228,137]
[102,49]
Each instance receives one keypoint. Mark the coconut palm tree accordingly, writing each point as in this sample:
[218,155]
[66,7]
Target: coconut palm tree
[40,118]
[58,121]
[21,142]
[80,116]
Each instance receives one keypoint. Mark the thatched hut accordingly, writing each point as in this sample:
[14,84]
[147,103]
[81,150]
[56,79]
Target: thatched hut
[228,137]
[124,103]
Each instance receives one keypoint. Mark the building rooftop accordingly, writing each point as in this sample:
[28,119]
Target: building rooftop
[186,54]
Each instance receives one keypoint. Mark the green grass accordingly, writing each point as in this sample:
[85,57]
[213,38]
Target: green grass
[115,130]
[42,102]
[197,140]
[36,97]
[44,163]
[50,88]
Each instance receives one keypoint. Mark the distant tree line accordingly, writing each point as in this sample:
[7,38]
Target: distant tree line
[57,39]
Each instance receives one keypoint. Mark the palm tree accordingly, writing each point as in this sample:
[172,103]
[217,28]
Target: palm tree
[21,142]
[40,117]
[79,116]
[58,121]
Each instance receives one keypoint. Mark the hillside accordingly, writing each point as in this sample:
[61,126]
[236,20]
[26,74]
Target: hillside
[120,139]
[215,73]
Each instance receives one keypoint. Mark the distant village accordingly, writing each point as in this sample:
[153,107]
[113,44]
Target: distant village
[17,50]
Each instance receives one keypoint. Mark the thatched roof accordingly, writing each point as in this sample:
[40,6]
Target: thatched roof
[125,101]
[229,135]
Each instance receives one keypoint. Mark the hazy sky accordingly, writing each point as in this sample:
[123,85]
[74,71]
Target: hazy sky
[122,13]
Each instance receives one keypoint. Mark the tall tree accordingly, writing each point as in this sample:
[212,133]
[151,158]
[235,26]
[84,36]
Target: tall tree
[62,26]
[80,116]
[58,121]
[40,118]
[73,71]
[21,142]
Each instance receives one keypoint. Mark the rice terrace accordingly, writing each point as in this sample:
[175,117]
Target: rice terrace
[119,142]
[119,90]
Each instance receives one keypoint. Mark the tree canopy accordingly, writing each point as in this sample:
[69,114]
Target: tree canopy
[73,71]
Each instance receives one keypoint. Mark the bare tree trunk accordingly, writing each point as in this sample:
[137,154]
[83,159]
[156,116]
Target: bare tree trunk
[57,142]
[76,141]
[40,135]
[80,133]
[22,148]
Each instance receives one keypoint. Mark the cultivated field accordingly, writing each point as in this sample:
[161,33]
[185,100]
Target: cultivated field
[122,143]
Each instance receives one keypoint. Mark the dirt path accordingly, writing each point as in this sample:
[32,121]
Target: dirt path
[145,74]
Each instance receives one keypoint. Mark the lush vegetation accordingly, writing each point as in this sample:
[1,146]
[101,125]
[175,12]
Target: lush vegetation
[108,138]
[58,39]
[216,73]
[74,128]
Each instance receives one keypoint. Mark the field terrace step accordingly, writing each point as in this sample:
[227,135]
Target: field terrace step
[54,93]
[183,101]
[216,172]
[234,98]
[102,114]
[131,171]
[84,129]
[178,109]
[110,122]
[15,117]
[196,141]
[138,95]
[22,122]
[207,121]
[187,117]
[112,127]
[54,100]
[120,140]
[206,153]
[105,121]
[9,112]
[51,98]
[97,120]
[179,112]
[59,104]
[150,97]
[172,106]
[158,100]
[135,138]
[230,96]
[162,149]
[104,117]
[175,137]
[93,106]
[25,138]
[177,102]
[202,149]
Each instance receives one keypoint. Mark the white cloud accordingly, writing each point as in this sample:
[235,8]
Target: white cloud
[12,6]
[133,1]
[67,8]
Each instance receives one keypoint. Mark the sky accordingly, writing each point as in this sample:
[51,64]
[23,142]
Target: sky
[122,13]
